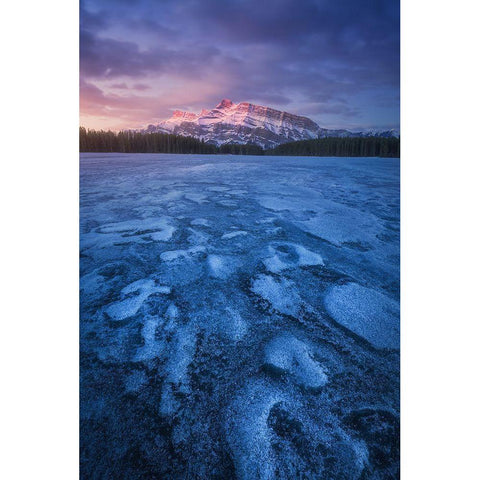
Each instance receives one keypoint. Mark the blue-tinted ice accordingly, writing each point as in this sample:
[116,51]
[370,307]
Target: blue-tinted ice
[239,317]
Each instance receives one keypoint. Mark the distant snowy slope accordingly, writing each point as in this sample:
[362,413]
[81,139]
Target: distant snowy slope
[245,122]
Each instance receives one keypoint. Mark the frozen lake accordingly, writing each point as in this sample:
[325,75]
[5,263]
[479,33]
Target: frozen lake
[239,317]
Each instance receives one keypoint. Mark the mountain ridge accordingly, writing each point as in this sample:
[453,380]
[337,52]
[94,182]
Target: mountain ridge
[246,122]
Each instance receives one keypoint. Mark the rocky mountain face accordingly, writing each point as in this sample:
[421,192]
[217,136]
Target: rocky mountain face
[245,122]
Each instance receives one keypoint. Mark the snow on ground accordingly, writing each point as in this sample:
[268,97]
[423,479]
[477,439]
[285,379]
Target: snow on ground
[280,294]
[289,355]
[366,312]
[129,306]
[289,255]
[238,233]
[239,317]
[172,255]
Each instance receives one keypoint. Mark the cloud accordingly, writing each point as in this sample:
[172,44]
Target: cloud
[317,57]
[110,58]
[141,87]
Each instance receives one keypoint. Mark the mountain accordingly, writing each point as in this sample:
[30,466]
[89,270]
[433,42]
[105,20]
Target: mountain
[244,123]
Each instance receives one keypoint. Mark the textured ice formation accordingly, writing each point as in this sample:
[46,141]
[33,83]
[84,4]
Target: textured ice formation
[287,354]
[172,311]
[290,255]
[200,222]
[172,255]
[366,312]
[221,266]
[326,219]
[151,347]
[176,369]
[248,433]
[196,197]
[139,291]
[221,361]
[135,381]
[159,228]
[197,238]
[172,195]
[342,225]
[91,283]
[281,294]
[234,325]
[237,233]
[227,203]
[97,241]
[163,235]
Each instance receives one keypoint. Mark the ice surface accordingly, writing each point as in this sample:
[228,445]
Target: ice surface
[281,294]
[160,228]
[289,355]
[221,266]
[235,326]
[135,381]
[196,197]
[289,255]
[368,313]
[200,222]
[142,289]
[172,255]
[239,317]
[248,433]
[151,347]
[177,379]
[91,282]
[238,233]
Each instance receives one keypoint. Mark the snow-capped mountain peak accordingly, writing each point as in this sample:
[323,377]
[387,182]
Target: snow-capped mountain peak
[245,122]
[225,103]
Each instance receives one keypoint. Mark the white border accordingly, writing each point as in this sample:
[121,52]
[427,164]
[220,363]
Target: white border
[440,224]
[39,198]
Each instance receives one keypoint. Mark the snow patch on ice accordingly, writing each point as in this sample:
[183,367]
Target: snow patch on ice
[237,233]
[200,222]
[94,240]
[366,312]
[151,347]
[236,327]
[172,195]
[221,266]
[197,238]
[172,255]
[281,294]
[339,224]
[289,355]
[91,282]
[227,203]
[142,289]
[177,379]
[290,255]
[163,235]
[196,197]
[248,433]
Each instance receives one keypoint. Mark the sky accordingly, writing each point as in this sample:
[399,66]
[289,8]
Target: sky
[334,61]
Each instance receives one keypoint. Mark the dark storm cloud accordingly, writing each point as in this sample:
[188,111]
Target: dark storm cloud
[105,57]
[332,58]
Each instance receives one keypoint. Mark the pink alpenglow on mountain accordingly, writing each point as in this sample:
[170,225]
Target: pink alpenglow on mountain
[245,122]
[242,122]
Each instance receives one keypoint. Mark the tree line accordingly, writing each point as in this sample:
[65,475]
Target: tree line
[137,142]
[341,147]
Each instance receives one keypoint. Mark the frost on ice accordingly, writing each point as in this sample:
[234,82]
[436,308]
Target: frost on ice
[239,317]
[368,313]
